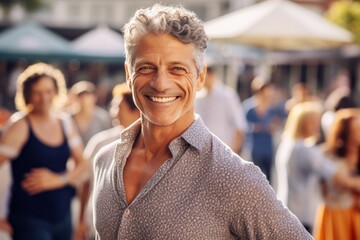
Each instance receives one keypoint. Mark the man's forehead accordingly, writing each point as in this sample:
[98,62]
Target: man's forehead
[154,46]
[155,41]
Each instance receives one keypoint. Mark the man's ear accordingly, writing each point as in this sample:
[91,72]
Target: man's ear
[128,76]
[201,79]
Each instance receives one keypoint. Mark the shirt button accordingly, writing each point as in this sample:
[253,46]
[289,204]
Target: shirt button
[127,212]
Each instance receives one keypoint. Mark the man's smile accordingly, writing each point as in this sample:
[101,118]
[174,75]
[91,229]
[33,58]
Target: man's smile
[162,99]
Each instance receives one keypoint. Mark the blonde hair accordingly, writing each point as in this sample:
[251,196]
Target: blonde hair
[297,118]
[120,89]
[30,75]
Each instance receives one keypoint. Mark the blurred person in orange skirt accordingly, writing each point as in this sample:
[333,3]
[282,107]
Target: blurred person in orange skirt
[38,141]
[301,164]
[124,112]
[339,98]
[338,217]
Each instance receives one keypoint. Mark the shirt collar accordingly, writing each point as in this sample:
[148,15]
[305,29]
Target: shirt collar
[194,135]
[129,134]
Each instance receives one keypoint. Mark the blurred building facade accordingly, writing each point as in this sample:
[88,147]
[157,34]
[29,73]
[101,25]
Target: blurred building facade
[86,13]
[317,69]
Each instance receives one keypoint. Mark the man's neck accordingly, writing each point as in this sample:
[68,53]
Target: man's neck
[155,139]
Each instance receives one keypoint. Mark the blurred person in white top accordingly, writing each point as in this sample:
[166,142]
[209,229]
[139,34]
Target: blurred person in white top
[89,117]
[123,112]
[220,108]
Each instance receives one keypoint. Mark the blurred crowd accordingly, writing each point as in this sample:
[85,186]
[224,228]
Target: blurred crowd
[307,147]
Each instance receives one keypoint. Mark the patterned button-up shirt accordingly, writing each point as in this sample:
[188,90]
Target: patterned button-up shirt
[205,191]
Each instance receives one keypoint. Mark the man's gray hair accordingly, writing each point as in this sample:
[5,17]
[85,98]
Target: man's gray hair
[174,20]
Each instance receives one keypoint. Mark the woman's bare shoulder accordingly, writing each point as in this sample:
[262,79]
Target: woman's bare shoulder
[16,124]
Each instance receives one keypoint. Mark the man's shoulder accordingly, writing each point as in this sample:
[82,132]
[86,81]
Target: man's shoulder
[105,155]
[211,148]
[228,173]
[224,159]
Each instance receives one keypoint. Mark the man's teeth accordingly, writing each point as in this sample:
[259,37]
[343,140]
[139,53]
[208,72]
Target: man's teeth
[162,99]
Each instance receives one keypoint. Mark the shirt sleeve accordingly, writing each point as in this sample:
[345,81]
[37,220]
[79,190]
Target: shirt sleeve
[250,119]
[321,164]
[260,215]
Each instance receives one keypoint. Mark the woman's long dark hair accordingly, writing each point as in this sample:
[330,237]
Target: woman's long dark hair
[339,134]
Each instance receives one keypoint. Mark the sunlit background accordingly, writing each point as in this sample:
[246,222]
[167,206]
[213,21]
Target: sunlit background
[84,39]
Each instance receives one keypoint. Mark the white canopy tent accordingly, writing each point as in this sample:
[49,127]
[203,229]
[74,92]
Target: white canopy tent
[278,25]
[102,41]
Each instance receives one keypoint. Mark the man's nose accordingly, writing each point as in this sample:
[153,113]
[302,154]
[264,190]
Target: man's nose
[161,80]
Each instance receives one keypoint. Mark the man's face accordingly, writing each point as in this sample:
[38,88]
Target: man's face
[164,79]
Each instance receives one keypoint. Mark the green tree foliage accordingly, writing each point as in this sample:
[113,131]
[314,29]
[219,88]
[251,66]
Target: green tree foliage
[6,5]
[346,14]
[29,5]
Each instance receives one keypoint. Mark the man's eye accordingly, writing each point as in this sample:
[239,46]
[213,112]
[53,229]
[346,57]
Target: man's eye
[179,70]
[146,69]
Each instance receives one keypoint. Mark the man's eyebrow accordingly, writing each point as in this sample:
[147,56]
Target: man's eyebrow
[178,63]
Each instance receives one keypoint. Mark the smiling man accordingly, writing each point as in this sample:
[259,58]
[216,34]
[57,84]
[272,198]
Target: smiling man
[168,177]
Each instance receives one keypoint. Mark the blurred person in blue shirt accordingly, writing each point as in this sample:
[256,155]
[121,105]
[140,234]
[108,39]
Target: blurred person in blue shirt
[263,119]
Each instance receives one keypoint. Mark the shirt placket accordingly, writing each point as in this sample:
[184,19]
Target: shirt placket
[125,223]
